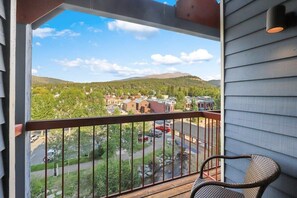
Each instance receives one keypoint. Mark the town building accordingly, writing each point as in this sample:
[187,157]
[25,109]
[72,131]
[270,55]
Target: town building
[162,105]
[203,103]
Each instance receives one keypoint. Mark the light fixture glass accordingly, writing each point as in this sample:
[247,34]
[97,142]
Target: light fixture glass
[275,19]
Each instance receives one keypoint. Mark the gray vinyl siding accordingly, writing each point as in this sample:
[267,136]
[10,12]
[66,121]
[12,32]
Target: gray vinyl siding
[3,133]
[260,92]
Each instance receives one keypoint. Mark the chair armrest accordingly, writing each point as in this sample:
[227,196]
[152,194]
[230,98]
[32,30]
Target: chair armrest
[220,156]
[226,185]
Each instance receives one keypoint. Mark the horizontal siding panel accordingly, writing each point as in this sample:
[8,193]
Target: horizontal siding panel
[2,66]
[264,122]
[1,88]
[286,106]
[255,24]
[276,69]
[235,5]
[252,9]
[287,163]
[281,50]
[2,146]
[275,142]
[274,87]
[2,37]
[1,189]
[2,10]
[249,41]
[1,166]
[274,193]
[252,25]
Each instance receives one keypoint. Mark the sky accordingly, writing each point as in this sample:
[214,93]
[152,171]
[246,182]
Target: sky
[79,47]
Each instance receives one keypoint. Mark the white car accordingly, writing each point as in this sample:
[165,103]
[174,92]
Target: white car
[34,138]
[50,155]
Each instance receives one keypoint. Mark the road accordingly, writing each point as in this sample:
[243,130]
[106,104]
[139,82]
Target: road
[125,156]
[37,152]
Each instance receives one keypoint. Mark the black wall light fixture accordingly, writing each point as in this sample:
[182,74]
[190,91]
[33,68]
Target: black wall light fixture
[275,19]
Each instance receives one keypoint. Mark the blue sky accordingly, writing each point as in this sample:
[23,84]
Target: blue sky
[84,48]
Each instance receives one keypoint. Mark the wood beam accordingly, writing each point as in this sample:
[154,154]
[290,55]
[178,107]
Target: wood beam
[146,12]
[205,12]
[28,11]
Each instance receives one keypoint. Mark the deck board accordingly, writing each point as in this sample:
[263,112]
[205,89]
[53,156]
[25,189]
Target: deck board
[179,188]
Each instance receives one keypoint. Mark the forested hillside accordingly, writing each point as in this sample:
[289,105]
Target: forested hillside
[72,100]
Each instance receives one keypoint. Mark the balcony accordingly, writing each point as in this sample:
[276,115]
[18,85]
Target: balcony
[127,156]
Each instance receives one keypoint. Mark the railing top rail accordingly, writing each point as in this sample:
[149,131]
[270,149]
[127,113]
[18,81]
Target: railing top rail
[216,115]
[81,122]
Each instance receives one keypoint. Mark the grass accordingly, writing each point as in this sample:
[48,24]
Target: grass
[51,165]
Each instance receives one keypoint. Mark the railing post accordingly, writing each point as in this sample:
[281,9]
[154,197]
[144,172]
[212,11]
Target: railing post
[22,107]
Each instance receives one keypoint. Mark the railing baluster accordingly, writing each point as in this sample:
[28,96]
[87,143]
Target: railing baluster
[208,144]
[172,157]
[63,154]
[190,146]
[132,173]
[205,143]
[45,168]
[182,147]
[107,138]
[93,165]
[154,155]
[197,145]
[218,142]
[211,144]
[217,149]
[78,163]
[164,131]
[143,129]
[120,162]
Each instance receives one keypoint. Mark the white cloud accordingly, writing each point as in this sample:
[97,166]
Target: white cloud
[165,60]
[38,44]
[212,77]
[140,32]
[100,65]
[199,56]
[34,71]
[93,29]
[52,32]
[70,63]
[141,63]
[196,56]
[81,23]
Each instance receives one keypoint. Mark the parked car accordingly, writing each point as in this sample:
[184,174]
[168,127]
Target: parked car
[33,138]
[146,138]
[167,129]
[161,122]
[158,133]
[50,155]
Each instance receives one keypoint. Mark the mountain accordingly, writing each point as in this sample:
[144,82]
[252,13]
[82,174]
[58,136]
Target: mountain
[45,80]
[161,76]
[216,83]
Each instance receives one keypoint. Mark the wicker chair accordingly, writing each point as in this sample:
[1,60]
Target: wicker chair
[260,173]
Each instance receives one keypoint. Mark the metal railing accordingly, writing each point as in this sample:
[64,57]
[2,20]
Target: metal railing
[109,156]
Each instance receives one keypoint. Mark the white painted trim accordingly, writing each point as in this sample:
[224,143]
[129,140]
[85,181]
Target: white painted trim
[222,36]
[11,124]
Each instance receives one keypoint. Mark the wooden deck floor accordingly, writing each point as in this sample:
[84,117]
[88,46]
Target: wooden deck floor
[179,188]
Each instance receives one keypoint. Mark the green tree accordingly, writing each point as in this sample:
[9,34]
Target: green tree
[43,106]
